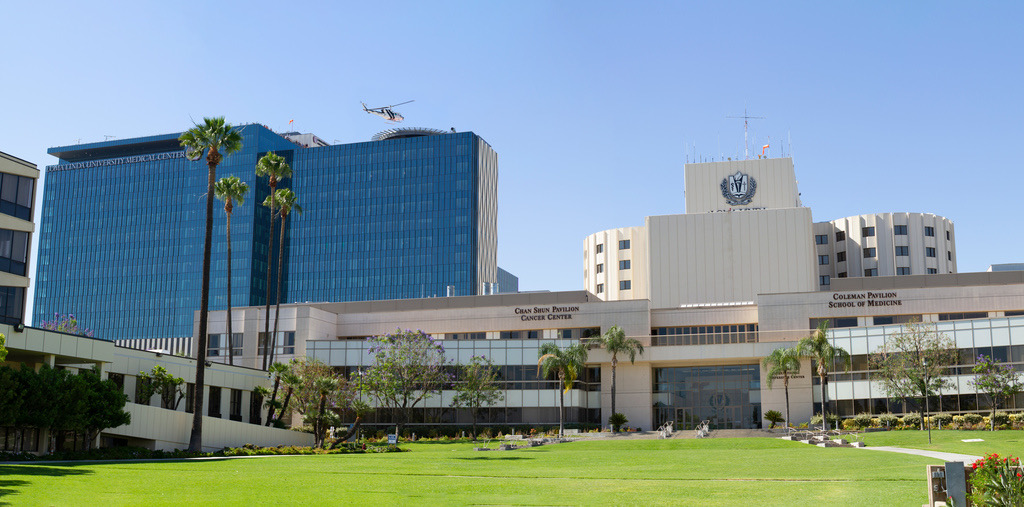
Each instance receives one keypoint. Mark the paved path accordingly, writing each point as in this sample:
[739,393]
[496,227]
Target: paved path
[944,456]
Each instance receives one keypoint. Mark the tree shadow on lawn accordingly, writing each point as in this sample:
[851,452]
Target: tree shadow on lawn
[16,476]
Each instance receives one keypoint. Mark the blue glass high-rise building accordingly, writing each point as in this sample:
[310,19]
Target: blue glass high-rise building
[410,214]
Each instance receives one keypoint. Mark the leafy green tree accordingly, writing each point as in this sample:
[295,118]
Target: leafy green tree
[212,137]
[230,190]
[291,382]
[818,348]
[11,395]
[782,362]
[912,363]
[284,200]
[615,342]
[477,387]
[103,406]
[275,169]
[320,393]
[407,367]
[170,388]
[566,364]
[3,348]
[999,381]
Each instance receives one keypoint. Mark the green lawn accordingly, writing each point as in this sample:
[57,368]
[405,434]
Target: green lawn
[742,471]
[1002,442]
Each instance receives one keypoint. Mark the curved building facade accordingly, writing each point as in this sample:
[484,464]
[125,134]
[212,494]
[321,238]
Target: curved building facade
[884,244]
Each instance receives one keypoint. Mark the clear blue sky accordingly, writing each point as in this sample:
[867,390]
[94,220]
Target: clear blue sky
[593,107]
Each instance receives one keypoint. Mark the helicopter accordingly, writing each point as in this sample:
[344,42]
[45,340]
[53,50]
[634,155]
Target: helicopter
[386,112]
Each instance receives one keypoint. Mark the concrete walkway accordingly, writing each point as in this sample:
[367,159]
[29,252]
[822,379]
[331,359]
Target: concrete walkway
[944,456]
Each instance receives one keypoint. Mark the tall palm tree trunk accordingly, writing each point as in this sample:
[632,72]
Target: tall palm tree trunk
[277,293]
[270,252]
[231,343]
[824,404]
[195,441]
[615,363]
[561,404]
[785,387]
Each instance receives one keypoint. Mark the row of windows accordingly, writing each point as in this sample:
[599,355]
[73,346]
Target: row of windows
[871,252]
[623,245]
[884,320]
[623,285]
[704,335]
[898,230]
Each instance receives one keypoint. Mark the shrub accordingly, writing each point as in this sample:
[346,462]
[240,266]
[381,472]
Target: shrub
[617,420]
[942,419]
[888,420]
[996,481]
[816,419]
[973,418]
[1001,418]
[862,420]
[850,424]
[912,419]
[774,417]
[958,421]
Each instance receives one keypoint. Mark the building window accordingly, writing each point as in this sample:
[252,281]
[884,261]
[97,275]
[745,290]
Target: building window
[600,269]
[929,251]
[535,335]
[933,271]
[899,230]
[624,284]
[947,236]
[214,409]
[255,408]
[840,256]
[600,248]
[822,260]
[824,280]
[600,288]
[871,272]
[902,251]
[624,264]
[12,304]
[841,275]
[13,251]
[284,345]
[929,231]
[903,271]
[623,244]
[236,405]
[190,397]
[949,256]
[16,195]
[869,252]
[867,231]
[218,345]
[840,235]
[821,239]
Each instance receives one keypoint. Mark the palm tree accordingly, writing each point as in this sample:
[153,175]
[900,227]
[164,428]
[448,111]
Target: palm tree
[274,168]
[277,372]
[230,190]
[213,136]
[284,200]
[821,351]
[614,341]
[782,362]
[567,363]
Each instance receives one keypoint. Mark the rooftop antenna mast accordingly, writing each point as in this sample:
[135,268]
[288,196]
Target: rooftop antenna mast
[746,121]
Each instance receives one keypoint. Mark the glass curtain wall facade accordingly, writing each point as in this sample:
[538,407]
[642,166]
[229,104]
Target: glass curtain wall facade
[395,219]
[123,222]
[729,397]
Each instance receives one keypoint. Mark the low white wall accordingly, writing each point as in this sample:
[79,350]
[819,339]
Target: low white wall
[170,429]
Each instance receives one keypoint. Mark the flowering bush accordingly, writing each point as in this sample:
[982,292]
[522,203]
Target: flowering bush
[65,324]
[997,481]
